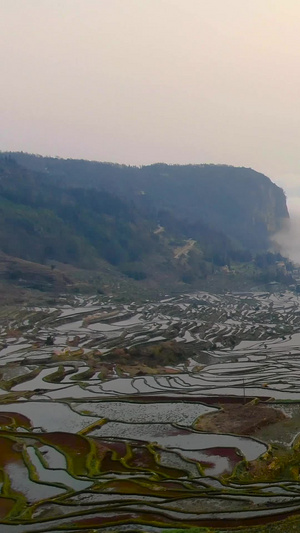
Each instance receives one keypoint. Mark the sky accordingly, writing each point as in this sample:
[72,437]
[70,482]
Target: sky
[144,81]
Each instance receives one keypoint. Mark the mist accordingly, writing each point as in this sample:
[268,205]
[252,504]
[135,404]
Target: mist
[288,239]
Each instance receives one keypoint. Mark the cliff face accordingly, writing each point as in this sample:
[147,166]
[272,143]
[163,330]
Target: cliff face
[242,203]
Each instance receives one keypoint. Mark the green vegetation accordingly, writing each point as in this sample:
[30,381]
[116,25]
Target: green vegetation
[290,525]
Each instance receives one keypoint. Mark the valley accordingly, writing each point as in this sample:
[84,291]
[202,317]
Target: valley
[149,349]
[149,267]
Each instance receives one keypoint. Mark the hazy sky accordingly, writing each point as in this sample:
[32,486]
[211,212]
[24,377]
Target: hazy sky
[141,81]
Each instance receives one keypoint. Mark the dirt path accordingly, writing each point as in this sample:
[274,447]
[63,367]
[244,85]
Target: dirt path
[184,250]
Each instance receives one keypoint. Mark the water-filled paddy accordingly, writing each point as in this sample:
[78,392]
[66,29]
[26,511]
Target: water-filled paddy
[91,438]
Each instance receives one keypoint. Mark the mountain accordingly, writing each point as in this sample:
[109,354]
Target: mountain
[242,203]
[154,222]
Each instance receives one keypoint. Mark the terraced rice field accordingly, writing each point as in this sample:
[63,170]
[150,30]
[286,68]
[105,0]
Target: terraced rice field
[89,444]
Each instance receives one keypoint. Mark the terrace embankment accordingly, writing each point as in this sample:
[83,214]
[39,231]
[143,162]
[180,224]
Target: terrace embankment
[239,418]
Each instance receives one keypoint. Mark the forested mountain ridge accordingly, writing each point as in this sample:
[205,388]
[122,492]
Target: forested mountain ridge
[41,221]
[240,202]
[150,223]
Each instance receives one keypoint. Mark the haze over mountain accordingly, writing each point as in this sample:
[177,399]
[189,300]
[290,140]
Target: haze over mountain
[162,80]
[137,82]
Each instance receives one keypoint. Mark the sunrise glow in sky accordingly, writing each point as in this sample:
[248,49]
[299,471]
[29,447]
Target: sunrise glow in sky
[141,81]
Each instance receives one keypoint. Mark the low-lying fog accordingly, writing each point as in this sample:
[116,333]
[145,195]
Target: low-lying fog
[289,238]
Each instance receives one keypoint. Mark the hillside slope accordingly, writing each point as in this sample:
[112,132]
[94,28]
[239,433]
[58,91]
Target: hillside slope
[155,224]
[242,203]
